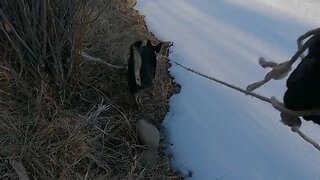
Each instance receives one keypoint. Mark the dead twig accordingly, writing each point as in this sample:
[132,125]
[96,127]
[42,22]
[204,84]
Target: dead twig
[4,17]
[88,58]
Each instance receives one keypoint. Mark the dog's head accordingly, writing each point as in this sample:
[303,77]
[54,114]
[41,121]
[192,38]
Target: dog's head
[156,48]
[142,63]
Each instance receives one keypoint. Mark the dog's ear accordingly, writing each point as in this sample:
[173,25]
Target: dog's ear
[158,47]
[137,44]
[149,43]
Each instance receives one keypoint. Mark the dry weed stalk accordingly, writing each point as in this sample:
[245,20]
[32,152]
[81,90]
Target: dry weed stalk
[42,34]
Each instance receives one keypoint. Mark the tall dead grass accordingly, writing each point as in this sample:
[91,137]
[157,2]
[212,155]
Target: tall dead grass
[63,118]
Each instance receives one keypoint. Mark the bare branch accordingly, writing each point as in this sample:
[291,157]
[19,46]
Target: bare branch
[16,34]
[88,58]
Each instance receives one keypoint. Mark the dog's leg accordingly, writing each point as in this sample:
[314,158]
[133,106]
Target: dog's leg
[150,91]
[136,102]
[137,99]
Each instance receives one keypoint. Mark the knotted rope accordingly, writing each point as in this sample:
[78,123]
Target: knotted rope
[273,101]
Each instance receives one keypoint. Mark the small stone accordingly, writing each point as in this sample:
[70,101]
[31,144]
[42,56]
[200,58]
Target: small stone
[148,134]
[148,159]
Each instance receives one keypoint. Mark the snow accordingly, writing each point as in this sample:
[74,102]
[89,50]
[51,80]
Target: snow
[216,132]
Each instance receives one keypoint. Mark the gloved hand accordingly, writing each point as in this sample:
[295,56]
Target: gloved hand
[289,120]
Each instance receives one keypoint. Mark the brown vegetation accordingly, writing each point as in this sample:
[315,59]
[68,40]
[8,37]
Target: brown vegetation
[61,117]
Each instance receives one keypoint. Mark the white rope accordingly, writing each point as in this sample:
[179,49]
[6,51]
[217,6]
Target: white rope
[279,71]
[276,104]
[305,137]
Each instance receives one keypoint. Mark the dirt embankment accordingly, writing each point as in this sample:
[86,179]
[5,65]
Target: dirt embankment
[61,117]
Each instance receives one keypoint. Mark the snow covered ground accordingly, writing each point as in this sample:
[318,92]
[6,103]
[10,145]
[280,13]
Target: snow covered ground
[218,133]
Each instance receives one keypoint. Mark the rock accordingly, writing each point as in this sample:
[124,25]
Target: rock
[148,134]
[149,159]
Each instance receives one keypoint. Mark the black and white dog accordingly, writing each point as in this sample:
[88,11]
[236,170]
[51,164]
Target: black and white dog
[303,84]
[142,65]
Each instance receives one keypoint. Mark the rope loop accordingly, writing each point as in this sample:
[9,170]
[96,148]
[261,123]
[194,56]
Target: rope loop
[273,101]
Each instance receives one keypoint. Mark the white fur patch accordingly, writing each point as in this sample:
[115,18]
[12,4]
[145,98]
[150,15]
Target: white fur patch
[137,65]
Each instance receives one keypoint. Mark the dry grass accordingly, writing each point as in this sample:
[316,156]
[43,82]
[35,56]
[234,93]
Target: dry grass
[67,119]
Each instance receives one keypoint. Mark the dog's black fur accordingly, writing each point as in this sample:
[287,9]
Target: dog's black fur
[303,84]
[147,53]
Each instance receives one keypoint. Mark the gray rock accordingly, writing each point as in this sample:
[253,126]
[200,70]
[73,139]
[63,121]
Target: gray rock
[149,159]
[148,134]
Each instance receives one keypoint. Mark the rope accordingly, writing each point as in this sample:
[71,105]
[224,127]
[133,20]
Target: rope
[226,84]
[279,106]
[306,138]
